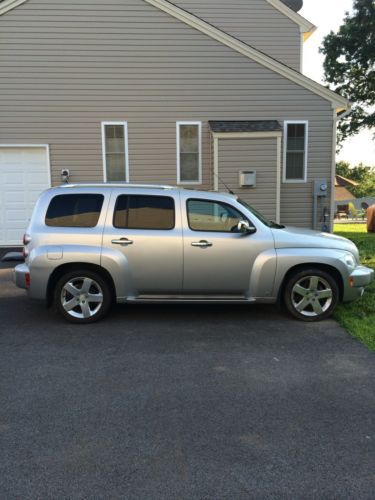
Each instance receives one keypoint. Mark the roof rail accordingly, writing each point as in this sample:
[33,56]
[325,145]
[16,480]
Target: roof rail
[115,184]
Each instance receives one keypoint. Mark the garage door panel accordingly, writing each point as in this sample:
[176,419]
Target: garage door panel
[35,181]
[16,214]
[14,178]
[13,235]
[24,174]
[15,198]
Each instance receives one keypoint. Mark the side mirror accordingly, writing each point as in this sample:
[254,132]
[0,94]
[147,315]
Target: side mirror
[245,228]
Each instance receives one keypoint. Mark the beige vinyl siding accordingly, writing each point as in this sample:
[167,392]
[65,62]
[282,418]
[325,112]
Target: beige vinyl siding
[254,22]
[67,67]
[250,154]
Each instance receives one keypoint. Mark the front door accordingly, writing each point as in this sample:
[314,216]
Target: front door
[146,230]
[218,259]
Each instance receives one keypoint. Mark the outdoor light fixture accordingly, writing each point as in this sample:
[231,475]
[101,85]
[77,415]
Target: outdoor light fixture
[65,174]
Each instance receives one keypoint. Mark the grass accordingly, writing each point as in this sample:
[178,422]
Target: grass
[359,317]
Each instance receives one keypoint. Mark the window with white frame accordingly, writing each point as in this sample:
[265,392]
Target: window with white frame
[115,151]
[189,152]
[295,151]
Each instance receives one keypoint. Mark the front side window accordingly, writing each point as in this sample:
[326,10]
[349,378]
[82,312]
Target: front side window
[144,212]
[189,162]
[295,151]
[115,151]
[74,210]
[213,216]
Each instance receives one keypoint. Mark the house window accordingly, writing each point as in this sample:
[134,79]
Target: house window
[189,152]
[115,151]
[295,151]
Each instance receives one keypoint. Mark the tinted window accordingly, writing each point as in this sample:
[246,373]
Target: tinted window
[207,215]
[74,210]
[144,212]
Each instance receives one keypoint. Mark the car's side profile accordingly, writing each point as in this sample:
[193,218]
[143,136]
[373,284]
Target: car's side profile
[88,246]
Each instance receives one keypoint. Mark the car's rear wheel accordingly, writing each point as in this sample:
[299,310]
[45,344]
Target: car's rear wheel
[82,296]
[311,295]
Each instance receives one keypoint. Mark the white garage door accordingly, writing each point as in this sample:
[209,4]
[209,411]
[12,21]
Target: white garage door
[24,174]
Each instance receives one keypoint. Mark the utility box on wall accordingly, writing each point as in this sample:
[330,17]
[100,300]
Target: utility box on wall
[248,178]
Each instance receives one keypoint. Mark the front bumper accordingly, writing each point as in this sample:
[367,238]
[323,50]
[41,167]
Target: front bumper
[355,286]
[21,276]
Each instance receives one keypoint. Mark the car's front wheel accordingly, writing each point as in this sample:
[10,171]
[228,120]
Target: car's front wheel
[311,295]
[82,296]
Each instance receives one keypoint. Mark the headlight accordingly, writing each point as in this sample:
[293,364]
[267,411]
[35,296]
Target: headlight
[350,261]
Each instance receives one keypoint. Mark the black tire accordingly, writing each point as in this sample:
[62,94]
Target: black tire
[73,287]
[308,302]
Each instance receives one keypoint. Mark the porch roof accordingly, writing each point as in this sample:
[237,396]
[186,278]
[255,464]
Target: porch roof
[238,126]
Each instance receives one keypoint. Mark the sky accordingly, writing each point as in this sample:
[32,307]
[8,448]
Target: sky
[328,15]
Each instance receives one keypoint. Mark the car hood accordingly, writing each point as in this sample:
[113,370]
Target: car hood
[294,237]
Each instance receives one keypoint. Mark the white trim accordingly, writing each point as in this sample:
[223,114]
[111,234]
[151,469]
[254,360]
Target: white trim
[333,172]
[126,141]
[48,151]
[306,145]
[9,5]
[301,53]
[304,24]
[278,180]
[199,124]
[251,135]
[216,163]
[338,102]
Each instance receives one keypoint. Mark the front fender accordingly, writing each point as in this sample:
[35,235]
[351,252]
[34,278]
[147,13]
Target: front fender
[263,275]
[289,258]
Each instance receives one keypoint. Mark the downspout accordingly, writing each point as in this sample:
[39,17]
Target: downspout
[333,170]
[336,118]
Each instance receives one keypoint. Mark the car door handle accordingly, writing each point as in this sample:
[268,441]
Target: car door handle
[123,242]
[201,244]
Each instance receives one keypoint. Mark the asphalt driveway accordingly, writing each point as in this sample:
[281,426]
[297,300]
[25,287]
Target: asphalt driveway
[174,402]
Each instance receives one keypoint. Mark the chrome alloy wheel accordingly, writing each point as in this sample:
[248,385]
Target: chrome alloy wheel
[312,296]
[81,297]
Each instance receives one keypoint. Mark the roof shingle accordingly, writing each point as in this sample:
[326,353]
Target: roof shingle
[228,126]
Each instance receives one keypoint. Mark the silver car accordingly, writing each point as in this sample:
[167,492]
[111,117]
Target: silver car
[88,246]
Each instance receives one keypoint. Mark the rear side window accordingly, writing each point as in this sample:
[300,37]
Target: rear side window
[74,210]
[144,212]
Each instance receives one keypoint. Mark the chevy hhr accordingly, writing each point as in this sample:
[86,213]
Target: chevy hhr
[88,246]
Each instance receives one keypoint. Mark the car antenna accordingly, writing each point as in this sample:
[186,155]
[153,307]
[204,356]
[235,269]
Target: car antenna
[221,180]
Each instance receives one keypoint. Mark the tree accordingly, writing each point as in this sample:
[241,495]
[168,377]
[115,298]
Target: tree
[364,175]
[349,66]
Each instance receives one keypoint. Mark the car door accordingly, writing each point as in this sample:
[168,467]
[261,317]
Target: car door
[145,227]
[218,259]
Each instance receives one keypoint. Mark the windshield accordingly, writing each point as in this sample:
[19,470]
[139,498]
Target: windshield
[259,216]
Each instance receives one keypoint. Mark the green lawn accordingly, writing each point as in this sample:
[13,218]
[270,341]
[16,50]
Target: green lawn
[359,317]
